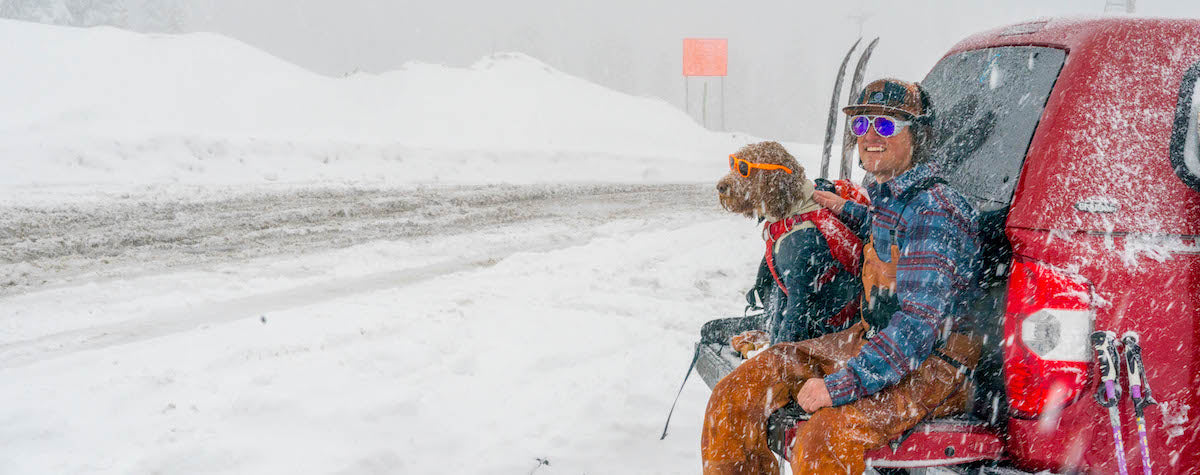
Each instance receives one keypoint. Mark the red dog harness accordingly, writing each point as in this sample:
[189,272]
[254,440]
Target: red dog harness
[845,246]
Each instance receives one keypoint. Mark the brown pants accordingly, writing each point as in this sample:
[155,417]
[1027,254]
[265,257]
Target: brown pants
[835,439]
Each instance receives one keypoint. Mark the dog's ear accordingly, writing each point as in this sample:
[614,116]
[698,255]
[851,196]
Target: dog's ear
[779,190]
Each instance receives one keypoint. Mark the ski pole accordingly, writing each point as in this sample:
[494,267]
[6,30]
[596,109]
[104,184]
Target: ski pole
[1104,342]
[1139,391]
[695,357]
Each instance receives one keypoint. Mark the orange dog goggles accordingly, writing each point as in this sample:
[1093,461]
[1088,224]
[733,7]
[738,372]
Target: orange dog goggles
[743,167]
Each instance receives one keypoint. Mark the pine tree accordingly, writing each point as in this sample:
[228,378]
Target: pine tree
[160,16]
[98,12]
[41,11]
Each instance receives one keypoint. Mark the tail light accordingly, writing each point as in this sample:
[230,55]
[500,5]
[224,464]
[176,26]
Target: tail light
[1046,352]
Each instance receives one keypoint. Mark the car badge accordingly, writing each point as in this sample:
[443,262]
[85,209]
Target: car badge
[1098,204]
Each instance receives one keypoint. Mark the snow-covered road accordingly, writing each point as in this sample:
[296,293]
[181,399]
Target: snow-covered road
[115,234]
[345,330]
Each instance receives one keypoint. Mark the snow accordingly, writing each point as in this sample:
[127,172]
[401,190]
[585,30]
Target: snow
[1175,417]
[220,271]
[102,106]
[1160,248]
[287,364]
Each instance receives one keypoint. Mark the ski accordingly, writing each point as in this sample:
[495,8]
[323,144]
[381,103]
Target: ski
[849,141]
[1107,359]
[1139,391]
[831,124]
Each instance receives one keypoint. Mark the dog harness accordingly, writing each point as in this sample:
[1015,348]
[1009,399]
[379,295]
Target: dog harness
[843,244]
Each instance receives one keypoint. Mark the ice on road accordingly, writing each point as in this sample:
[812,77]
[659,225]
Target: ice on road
[344,330]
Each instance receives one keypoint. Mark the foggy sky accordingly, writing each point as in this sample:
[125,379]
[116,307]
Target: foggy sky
[782,53]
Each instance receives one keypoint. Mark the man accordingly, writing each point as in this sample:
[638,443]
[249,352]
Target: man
[866,385]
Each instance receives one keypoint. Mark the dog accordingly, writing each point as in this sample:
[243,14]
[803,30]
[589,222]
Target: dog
[808,282]
[764,193]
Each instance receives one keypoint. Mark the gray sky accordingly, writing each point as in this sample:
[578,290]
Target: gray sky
[783,53]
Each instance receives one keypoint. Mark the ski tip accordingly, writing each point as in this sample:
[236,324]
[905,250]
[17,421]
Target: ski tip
[1131,336]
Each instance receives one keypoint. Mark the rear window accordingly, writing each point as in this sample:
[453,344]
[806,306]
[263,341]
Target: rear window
[1185,141]
[987,105]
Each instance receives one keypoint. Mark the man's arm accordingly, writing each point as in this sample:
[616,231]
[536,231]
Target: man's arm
[932,269]
[854,216]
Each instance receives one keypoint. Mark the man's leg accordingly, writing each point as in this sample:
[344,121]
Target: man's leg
[734,438]
[836,439]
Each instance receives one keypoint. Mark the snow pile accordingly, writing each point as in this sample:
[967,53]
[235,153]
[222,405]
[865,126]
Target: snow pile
[106,106]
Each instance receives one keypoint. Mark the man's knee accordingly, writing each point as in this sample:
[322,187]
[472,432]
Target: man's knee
[820,428]
[842,426]
[830,442]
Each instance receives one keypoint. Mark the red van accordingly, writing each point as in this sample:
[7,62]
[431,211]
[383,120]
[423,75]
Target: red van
[1078,143]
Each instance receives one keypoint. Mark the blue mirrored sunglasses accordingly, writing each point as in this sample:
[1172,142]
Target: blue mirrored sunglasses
[885,126]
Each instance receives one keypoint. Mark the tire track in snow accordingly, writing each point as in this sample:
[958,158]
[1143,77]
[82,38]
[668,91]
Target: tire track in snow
[20,353]
[582,207]
[46,247]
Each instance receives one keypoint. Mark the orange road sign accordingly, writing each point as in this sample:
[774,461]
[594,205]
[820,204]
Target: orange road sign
[705,56]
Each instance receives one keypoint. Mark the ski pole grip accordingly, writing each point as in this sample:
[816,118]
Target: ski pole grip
[1103,343]
[1136,366]
[1106,360]
[1133,360]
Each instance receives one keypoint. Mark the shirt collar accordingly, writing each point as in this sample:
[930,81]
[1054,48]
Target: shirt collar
[897,186]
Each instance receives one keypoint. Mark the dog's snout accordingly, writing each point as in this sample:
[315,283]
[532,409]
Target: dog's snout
[722,188]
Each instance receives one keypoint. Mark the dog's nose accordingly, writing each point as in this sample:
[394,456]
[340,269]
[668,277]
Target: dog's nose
[722,188]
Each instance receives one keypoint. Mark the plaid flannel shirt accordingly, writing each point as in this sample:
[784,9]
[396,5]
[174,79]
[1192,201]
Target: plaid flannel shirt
[938,239]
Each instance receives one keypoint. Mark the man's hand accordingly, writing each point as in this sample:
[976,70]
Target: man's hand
[829,200]
[813,395]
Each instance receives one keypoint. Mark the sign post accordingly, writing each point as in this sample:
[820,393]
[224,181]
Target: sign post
[705,57]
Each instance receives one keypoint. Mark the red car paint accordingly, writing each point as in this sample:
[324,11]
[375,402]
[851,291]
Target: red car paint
[1106,135]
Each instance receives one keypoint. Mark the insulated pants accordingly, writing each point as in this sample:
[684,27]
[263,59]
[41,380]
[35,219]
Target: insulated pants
[836,439]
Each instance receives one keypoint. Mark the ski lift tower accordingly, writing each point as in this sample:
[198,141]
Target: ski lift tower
[1119,6]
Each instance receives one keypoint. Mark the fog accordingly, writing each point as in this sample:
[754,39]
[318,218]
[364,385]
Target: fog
[782,54]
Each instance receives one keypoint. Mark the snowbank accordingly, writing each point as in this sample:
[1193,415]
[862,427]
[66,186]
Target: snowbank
[106,106]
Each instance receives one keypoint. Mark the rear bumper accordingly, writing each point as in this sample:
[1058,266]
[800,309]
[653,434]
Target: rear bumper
[716,361]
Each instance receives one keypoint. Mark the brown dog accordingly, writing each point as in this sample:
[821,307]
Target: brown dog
[764,193]
[773,187]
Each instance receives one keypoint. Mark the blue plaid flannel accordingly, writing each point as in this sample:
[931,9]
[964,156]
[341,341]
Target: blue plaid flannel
[938,239]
